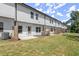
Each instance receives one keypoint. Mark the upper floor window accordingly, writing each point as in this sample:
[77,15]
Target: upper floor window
[1,26]
[52,21]
[32,15]
[36,16]
[59,24]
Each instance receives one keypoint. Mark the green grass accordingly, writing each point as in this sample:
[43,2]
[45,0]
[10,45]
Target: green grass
[60,45]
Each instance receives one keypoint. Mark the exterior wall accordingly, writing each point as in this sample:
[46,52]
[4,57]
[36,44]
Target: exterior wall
[25,29]
[24,19]
[7,24]
[7,10]
[24,15]
[49,28]
[49,22]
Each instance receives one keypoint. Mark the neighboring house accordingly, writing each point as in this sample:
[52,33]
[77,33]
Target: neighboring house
[31,21]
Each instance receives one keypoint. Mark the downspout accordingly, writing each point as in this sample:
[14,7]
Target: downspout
[43,32]
[44,23]
[15,27]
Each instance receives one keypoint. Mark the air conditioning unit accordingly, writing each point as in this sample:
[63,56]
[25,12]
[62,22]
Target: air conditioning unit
[4,35]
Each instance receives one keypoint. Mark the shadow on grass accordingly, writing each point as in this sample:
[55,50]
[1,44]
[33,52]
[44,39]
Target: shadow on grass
[74,37]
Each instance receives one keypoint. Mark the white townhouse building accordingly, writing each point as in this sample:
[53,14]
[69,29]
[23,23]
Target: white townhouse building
[30,21]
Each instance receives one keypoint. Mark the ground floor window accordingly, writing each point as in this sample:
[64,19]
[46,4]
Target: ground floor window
[19,29]
[1,26]
[29,29]
[51,29]
[38,29]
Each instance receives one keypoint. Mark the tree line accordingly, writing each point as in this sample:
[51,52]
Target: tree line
[74,22]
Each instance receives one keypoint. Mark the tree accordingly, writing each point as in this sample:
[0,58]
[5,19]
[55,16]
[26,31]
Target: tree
[74,20]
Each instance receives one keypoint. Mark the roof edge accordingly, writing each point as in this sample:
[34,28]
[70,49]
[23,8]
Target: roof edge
[41,12]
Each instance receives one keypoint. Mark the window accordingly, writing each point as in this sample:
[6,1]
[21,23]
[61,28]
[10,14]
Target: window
[29,29]
[36,16]
[32,15]
[58,24]
[1,26]
[50,20]
[19,29]
[38,29]
[51,29]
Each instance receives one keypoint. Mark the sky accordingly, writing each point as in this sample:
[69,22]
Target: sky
[60,11]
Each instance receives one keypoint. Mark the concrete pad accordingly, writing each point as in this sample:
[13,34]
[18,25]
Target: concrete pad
[28,37]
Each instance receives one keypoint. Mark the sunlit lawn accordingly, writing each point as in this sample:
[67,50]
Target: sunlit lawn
[66,44]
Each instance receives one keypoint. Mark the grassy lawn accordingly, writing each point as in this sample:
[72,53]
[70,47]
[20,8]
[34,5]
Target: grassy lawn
[67,44]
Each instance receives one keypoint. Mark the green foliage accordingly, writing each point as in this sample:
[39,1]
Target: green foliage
[74,20]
